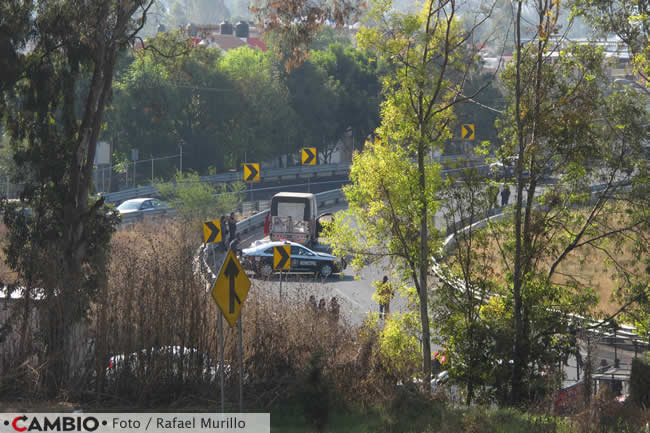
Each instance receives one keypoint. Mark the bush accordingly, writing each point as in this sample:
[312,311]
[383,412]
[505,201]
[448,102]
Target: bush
[640,383]
[314,392]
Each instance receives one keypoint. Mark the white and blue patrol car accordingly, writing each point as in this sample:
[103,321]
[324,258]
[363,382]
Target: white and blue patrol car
[259,258]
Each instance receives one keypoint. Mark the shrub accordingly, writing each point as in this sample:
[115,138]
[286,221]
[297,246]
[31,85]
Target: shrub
[640,383]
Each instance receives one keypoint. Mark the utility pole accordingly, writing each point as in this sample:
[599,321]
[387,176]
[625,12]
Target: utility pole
[180,146]
[134,157]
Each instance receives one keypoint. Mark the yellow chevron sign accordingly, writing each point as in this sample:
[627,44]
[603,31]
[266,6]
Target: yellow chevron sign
[309,156]
[251,172]
[467,131]
[282,257]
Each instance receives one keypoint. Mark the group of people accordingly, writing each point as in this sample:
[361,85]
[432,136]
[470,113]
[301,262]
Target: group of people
[494,193]
[230,238]
[334,307]
[385,294]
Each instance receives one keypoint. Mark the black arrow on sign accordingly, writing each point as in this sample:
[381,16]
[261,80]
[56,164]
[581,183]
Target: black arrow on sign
[253,172]
[310,156]
[232,270]
[214,231]
[467,131]
[284,259]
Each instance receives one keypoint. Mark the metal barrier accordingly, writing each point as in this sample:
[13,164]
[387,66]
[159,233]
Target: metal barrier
[272,174]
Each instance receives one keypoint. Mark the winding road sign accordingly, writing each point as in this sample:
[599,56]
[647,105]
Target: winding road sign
[231,288]
[309,156]
[212,231]
[467,132]
[251,172]
[282,257]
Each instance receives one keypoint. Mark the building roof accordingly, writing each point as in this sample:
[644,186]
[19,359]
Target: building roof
[257,43]
[228,42]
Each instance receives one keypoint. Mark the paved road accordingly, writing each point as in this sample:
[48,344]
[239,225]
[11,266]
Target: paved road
[353,290]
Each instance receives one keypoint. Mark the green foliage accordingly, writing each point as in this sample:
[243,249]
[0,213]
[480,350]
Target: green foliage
[263,123]
[224,108]
[328,36]
[640,383]
[393,195]
[380,202]
[627,19]
[399,344]
[199,200]
[338,88]
[563,120]
[182,98]
[53,105]
[295,23]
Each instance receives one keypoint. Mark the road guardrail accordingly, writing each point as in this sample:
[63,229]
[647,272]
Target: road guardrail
[271,174]
[266,174]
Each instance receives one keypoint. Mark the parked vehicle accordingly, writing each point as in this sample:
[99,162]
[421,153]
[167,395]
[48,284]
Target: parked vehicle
[169,361]
[293,217]
[505,170]
[141,205]
[259,258]
[501,171]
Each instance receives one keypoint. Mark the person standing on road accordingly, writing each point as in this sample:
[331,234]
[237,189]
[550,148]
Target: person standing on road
[505,195]
[224,232]
[493,195]
[384,295]
[232,225]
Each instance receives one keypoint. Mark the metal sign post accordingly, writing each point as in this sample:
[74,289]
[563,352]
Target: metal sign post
[281,261]
[223,399]
[241,368]
[229,291]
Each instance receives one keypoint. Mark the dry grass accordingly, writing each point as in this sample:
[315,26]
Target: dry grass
[155,299]
[586,267]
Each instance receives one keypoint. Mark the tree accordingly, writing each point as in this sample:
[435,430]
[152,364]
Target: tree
[196,200]
[562,119]
[219,107]
[264,124]
[359,76]
[174,95]
[463,302]
[627,19]
[393,194]
[316,98]
[294,24]
[54,103]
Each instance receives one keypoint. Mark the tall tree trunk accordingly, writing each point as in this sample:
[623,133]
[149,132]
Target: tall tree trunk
[517,355]
[76,212]
[424,260]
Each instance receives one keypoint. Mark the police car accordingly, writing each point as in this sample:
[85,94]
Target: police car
[259,258]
